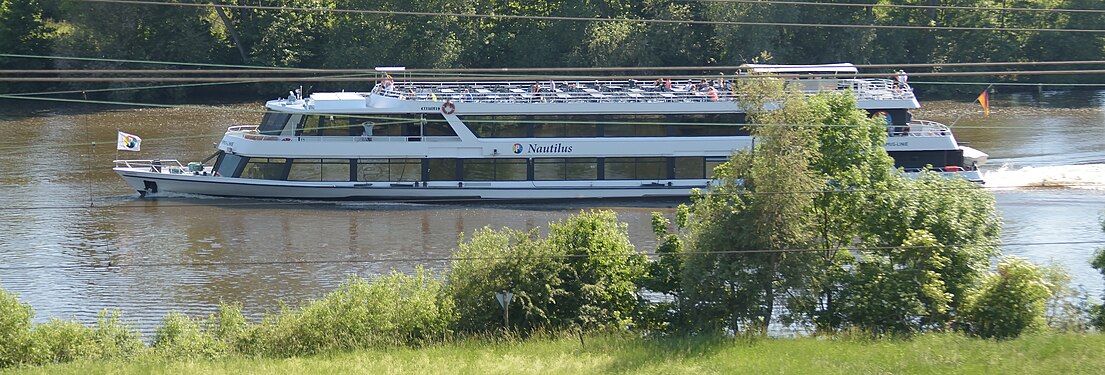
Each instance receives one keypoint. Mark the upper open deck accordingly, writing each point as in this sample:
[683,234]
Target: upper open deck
[623,91]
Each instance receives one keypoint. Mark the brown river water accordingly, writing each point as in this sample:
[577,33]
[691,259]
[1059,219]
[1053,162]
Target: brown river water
[74,239]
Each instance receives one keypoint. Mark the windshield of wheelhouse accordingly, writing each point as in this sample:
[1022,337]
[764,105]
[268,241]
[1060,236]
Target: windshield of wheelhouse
[400,125]
[273,123]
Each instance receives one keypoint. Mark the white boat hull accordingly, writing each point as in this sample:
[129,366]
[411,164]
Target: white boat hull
[153,183]
[149,183]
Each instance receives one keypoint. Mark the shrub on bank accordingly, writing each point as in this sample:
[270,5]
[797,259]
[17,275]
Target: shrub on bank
[582,276]
[58,341]
[391,310]
[15,326]
[182,337]
[1009,302]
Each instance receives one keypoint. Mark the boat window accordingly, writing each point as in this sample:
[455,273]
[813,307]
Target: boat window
[635,169]
[442,169]
[690,167]
[436,125]
[264,168]
[404,125]
[340,126]
[389,169]
[498,126]
[273,122]
[319,170]
[635,126]
[495,169]
[548,169]
[228,164]
[308,127]
[557,130]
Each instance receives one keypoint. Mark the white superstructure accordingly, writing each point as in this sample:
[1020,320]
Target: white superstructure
[519,140]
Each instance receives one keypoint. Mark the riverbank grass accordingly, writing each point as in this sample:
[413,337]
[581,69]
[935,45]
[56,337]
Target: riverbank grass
[934,353]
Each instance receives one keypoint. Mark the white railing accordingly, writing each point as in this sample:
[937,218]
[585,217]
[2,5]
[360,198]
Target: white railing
[167,166]
[242,129]
[920,128]
[378,138]
[630,91]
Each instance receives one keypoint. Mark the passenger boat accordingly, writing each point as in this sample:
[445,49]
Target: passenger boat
[519,140]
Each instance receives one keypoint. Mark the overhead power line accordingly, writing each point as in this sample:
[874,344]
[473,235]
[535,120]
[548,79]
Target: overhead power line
[500,78]
[423,71]
[903,6]
[589,19]
[568,256]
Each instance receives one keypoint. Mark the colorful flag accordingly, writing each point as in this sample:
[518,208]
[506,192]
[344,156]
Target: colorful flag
[129,142]
[984,99]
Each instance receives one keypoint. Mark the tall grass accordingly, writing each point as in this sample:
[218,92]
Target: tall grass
[928,353]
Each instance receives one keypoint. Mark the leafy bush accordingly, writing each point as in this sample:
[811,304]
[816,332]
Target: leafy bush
[898,292]
[390,310]
[507,260]
[15,326]
[59,341]
[180,336]
[601,271]
[582,276]
[1009,302]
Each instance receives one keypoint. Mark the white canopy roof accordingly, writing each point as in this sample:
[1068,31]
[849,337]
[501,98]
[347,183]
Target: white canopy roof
[823,68]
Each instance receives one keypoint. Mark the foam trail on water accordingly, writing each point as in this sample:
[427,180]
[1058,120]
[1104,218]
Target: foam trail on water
[1084,176]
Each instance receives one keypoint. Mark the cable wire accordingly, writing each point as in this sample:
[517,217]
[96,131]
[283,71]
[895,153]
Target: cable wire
[534,78]
[902,6]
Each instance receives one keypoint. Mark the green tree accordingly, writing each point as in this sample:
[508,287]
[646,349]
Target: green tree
[740,230]
[1009,302]
[362,41]
[857,172]
[959,214]
[137,32]
[664,276]
[22,29]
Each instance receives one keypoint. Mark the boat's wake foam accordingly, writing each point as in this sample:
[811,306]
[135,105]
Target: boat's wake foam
[1084,176]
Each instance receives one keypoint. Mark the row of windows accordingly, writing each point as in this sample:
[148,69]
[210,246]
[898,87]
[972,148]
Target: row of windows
[506,169]
[531,126]
[618,125]
[343,126]
[382,125]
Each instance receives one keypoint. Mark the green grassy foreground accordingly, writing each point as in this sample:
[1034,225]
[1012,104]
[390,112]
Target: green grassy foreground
[941,353]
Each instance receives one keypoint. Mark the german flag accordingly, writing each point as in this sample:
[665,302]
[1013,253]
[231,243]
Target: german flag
[984,99]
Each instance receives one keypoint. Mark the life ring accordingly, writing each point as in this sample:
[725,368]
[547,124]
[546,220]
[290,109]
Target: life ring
[448,108]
